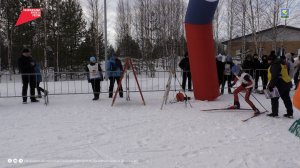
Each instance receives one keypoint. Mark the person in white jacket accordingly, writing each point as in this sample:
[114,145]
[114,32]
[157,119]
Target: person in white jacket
[95,76]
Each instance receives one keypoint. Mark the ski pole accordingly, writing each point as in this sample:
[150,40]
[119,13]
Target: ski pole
[256,100]
[259,102]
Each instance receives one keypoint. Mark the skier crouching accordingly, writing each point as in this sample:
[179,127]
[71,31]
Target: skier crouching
[247,84]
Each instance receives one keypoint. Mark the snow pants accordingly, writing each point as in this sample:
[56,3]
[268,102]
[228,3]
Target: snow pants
[247,95]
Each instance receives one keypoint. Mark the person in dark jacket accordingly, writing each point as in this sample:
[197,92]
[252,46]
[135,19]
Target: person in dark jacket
[114,70]
[220,68]
[186,74]
[256,69]
[248,65]
[95,76]
[26,67]
[264,71]
[278,77]
[38,78]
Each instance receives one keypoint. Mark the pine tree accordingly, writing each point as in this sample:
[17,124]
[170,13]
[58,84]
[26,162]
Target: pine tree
[72,33]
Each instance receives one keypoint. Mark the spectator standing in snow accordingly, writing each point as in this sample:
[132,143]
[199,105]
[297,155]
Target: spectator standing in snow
[26,67]
[38,78]
[248,65]
[114,72]
[227,75]
[220,68]
[247,83]
[264,68]
[278,77]
[186,74]
[95,76]
[289,63]
[256,69]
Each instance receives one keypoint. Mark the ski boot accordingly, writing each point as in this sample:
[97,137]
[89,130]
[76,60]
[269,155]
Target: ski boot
[272,115]
[288,115]
[236,105]
[256,112]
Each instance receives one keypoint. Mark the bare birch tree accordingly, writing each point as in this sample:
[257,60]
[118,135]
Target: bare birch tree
[95,10]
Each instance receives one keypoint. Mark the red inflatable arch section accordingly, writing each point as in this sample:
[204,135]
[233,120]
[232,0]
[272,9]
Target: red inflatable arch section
[199,34]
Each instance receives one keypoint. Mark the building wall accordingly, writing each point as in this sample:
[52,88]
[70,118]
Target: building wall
[291,46]
[287,38]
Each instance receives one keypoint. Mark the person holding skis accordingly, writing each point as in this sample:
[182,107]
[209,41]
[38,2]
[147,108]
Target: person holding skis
[247,84]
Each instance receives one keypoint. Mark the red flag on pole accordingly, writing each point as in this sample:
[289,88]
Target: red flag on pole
[28,15]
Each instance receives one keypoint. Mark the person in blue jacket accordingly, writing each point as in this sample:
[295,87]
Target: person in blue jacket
[38,79]
[114,70]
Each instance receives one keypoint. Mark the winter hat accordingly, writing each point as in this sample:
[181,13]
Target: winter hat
[236,69]
[228,59]
[219,57]
[92,59]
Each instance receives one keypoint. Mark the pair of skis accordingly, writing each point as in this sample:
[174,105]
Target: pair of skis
[241,109]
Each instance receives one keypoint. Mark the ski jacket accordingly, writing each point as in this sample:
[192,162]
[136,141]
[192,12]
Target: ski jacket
[245,79]
[26,65]
[278,75]
[37,70]
[94,71]
[114,67]
[185,64]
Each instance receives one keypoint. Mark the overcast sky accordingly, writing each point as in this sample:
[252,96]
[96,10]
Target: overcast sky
[112,7]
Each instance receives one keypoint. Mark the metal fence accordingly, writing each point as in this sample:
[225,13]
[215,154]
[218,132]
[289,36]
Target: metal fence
[70,83]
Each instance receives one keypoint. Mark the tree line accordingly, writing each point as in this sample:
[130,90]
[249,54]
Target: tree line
[147,30]
[242,17]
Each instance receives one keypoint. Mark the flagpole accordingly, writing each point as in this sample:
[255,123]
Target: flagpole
[105,37]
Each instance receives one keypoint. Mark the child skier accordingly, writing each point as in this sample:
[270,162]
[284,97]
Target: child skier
[247,84]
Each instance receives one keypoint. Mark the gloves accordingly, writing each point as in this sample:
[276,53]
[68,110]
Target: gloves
[231,85]
[270,88]
[89,80]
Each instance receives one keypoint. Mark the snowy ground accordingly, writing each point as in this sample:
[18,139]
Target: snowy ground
[75,132]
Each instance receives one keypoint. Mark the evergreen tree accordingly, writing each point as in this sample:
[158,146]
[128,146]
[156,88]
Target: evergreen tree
[72,33]
[128,47]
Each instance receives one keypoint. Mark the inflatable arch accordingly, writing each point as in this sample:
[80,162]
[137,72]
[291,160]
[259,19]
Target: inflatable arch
[296,98]
[199,34]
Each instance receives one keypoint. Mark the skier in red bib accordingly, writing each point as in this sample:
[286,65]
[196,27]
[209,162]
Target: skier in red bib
[246,84]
